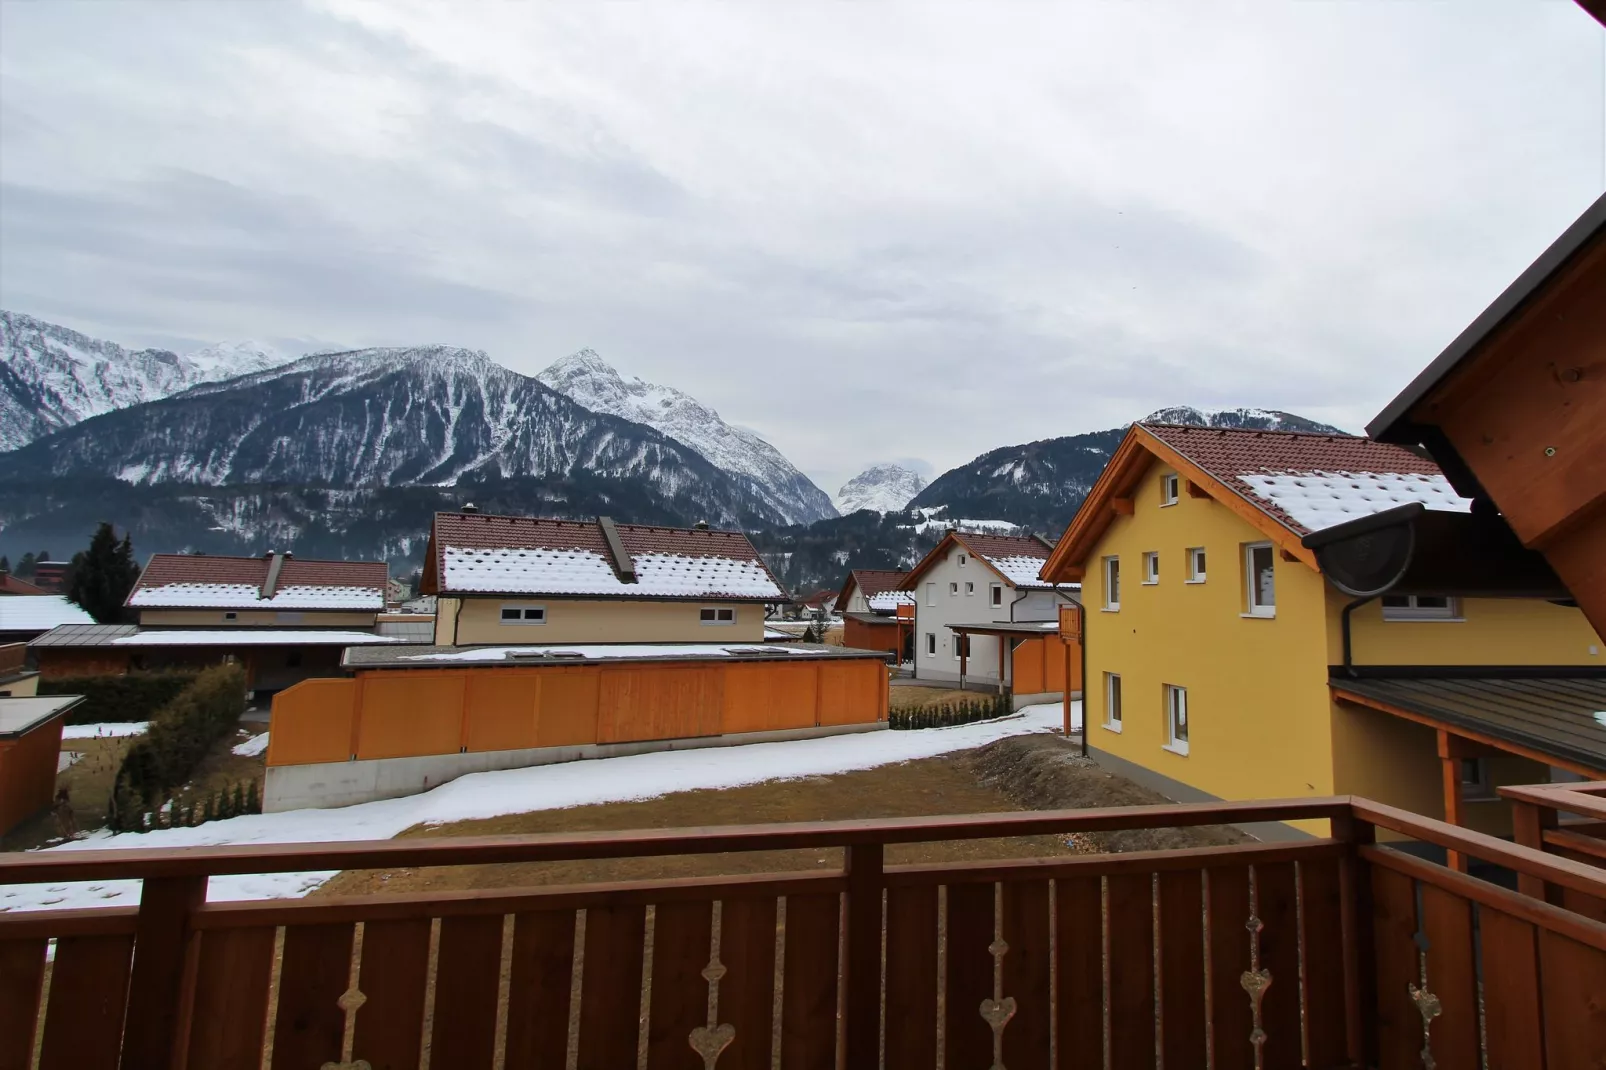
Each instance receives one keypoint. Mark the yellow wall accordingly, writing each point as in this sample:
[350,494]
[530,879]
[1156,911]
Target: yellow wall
[572,621]
[1493,631]
[1257,688]
[214,618]
[24,687]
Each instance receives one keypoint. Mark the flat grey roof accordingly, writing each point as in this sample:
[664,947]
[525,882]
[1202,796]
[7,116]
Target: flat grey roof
[19,716]
[1558,715]
[470,657]
[1011,627]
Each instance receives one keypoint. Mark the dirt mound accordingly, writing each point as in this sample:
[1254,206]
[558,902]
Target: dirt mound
[1048,772]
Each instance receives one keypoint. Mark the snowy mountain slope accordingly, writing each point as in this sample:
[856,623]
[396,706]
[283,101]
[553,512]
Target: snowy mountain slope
[52,377]
[886,488]
[421,416]
[588,379]
[1252,419]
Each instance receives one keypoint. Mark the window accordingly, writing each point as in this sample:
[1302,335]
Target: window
[231,616]
[1168,489]
[1176,719]
[523,614]
[931,644]
[1196,564]
[1112,702]
[1261,579]
[998,594]
[1420,607]
[1112,583]
[970,589]
[961,646]
[717,615]
[1475,783]
[1151,567]
[953,590]
[962,559]
[931,594]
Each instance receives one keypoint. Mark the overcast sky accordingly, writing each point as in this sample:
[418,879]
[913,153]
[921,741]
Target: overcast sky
[869,231]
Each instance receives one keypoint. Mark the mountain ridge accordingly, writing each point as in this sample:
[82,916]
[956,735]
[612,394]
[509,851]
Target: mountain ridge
[882,487]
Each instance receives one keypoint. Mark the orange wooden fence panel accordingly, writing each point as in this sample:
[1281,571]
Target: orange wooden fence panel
[405,714]
[568,715]
[312,722]
[761,698]
[502,710]
[659,702]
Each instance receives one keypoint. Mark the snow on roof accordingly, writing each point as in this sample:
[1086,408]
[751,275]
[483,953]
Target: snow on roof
[1021,571]
[1317,500]
[251,637]
[537,556]
[204,581]
[245,596]
[22,715]
[39,613]
[889,601]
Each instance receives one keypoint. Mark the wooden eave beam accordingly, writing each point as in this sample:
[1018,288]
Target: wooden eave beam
[1122,506]
[1129,461]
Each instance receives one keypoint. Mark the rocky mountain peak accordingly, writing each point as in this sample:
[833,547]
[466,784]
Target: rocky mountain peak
[885,488]
[1243,418]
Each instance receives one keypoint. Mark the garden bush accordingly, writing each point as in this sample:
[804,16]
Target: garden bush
[965,711]
[134,696]
[181,735]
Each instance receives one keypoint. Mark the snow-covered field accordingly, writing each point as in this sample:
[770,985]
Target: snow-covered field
[515,791]
[105,731]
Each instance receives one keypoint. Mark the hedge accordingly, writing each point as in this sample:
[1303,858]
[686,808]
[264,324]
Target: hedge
[128,697]
[949,714]
[181,735]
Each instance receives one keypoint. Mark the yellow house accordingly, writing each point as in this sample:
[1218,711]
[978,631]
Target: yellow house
[1224,664]
[519,580]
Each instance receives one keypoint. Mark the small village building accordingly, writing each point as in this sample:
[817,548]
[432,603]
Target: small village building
[1231,657]
[284,619]
[50,576]
[515,580]
[983,617]
[869,601]
[30,749]
[14,585]
[16,679]
[24,617]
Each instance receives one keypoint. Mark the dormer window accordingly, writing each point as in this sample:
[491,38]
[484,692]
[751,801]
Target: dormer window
[1168,489]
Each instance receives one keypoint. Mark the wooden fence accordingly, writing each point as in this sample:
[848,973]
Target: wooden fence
[1321,953]
[395,713]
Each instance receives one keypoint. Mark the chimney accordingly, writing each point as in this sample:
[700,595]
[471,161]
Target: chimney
[701,525]
[470,508]
[623,566]
[275,565]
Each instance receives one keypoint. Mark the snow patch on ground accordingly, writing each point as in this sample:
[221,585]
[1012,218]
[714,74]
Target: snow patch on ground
[517,791]
[252,747]
[106,730]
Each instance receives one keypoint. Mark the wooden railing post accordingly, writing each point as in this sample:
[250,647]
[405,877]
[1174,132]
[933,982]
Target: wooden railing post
[156,985]
[861,1006]
[1529,821]
[1360,949]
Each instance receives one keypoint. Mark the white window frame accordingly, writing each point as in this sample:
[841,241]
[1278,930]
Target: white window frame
[998,594]
[724,616]
[953,588]
[958,645]
[970,588]
[1112,701]
[523,609]
[931,644]
[962,559]
[1170,486]
[1450,611]
[1176,700]
[1196,556]
[931,594]
[1252,607]
[1151,567]
[1112,579]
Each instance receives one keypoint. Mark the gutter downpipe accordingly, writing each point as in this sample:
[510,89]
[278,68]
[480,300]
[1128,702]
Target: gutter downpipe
[1349,667]
[1081,609]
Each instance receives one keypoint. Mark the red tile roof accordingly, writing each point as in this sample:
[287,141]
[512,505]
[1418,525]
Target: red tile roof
[994,547]
[874,581]
[1229,454]
[206,570]
[9,584]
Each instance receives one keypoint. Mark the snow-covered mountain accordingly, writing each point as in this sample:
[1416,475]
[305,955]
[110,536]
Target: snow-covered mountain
[405,417]
[1252,419]
[885,488]
[588,379]
[53,377]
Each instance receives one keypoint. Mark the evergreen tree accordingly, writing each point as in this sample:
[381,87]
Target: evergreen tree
[25,567]
[101,577]
[5,563]
[44,555]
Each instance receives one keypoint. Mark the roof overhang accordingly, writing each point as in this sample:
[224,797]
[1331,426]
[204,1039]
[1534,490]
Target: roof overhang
[1544,713]
[1413,550]
[1009,629]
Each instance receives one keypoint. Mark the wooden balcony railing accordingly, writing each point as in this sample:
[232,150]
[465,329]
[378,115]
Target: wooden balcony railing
[1329,952]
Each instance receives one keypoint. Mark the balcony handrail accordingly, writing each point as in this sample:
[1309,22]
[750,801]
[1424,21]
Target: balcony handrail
[110,864]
